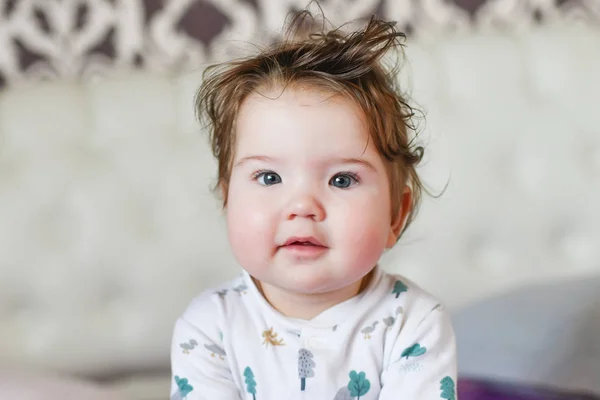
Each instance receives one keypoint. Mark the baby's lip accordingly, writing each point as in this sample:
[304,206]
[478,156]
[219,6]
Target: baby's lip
[308,240]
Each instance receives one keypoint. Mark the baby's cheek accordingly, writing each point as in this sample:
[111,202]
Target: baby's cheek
[248,228]
[365,240]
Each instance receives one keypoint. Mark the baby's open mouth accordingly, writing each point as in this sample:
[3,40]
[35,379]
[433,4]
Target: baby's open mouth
[303,241]
[304,248]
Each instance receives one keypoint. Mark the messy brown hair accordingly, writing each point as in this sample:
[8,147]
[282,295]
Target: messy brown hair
[350,64]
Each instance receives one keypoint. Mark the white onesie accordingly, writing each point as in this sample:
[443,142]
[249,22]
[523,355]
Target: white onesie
[392,341]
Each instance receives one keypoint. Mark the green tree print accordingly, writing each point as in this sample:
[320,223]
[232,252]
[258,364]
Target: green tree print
[359,385]
[250,382]
[305,367]
[413,351]
[399,287]
[448,389]
[184,388]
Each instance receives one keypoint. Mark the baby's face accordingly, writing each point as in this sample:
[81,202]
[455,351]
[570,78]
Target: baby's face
[309,201]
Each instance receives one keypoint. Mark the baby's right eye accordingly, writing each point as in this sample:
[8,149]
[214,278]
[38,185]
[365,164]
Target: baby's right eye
[267,178]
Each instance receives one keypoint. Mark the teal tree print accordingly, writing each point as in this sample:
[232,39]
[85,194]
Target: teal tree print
[448,389]
[183,388]
[305,367]
[359,385]
[399,287]
[250,382]
[413,351]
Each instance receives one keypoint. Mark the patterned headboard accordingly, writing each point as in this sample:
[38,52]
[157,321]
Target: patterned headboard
[109,227]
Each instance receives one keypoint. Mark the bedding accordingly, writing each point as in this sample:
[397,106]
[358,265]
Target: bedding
[544,335]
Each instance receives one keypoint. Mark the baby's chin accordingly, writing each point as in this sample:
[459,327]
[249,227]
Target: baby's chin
[321,286]
[311,279]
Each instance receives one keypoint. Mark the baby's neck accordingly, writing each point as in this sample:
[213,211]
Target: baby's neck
[308,306]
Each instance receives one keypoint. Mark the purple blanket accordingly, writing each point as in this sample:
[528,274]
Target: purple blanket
[472,389]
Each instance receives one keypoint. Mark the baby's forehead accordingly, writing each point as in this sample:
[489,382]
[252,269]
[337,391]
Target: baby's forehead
[307,108]
[302,123]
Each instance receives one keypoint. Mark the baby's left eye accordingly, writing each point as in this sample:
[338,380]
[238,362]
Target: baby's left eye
[344,181]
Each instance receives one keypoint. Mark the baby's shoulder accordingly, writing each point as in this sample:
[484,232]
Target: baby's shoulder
[409,296]
[217,303]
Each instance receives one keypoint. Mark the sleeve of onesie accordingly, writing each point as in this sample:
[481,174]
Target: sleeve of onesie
[199,365]
[422,363]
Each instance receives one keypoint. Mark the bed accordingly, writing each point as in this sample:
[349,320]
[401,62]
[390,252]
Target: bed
[109,227]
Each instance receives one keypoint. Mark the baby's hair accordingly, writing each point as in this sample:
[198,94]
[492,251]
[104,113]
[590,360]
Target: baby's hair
[310,56]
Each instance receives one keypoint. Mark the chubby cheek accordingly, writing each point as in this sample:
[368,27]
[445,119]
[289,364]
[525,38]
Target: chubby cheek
[363,234]
[246,216]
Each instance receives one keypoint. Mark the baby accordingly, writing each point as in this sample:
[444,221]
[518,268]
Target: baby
[317,173]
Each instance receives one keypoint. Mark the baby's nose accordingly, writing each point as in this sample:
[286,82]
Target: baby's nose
[306,206]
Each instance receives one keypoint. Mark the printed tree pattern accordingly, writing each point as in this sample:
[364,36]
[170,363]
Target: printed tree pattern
[413,351]
[359,385]
[250,382]
[399,288]
[183,388]
[305,367]
[448,389]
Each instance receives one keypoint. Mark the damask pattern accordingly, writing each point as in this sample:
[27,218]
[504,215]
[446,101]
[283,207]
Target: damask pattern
[49,39]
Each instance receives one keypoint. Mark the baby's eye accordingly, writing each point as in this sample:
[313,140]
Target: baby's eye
[344,180]
[267,178]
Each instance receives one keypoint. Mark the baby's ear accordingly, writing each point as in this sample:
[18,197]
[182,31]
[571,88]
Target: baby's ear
[399,219]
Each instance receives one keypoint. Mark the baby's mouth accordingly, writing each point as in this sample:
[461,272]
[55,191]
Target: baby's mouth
[305,247]
[303,241]
[302,244]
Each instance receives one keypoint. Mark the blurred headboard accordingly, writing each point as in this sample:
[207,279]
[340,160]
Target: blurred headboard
[512,129]
[109,227]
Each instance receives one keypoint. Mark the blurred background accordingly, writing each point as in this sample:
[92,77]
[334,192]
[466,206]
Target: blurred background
[108,226]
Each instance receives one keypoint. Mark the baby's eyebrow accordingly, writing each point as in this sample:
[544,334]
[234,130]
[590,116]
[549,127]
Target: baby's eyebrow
[334,161]
[345,160]
[250,158]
